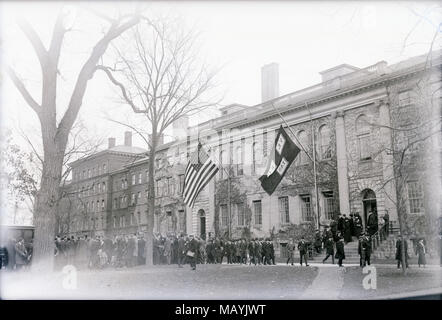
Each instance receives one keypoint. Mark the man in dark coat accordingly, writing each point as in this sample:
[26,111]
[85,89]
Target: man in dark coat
[237,252]
[364,249]
[347,229]
[266,252]
[399,252]
[357,223]
[352,224]
[258,251]
[340,253]
[302,247]
[334,229]
[318,242]
[243,250]
[329,245]
[272,252]
[226,251]
[181,250]
[192,249]
[209,251]
[341,224]
[251,248]
[372,223]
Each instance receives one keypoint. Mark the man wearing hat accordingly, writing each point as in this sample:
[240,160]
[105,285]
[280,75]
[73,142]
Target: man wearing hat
[318,242]
[357,225]
[302,247]
[364,249]
[192,248]
[329,245]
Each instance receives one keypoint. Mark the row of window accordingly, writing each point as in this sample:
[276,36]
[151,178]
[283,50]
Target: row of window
[92,206]
[92,189]
[168,186]
[89,173]
[257,153]
[123,201]
[123,221]
[96,223]
[136,178]
[283,207]
[171,226]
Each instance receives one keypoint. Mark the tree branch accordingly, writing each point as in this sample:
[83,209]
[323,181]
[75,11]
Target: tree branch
[22,89]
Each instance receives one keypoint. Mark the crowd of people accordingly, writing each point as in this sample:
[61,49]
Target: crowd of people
[171,250]
[125,251]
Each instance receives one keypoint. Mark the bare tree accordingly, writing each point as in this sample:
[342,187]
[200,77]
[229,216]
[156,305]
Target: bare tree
[160,77]
[415,126]
[55,135]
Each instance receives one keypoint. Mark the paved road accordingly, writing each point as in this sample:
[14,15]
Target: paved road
[326,286]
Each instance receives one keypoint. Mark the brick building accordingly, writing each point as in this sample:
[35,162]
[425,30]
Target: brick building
[376,133]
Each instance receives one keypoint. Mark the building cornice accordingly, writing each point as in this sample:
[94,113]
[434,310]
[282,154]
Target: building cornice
[332,96]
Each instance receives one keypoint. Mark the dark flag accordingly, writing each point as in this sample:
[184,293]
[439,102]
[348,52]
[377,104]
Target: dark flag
[283,153]
[200,169]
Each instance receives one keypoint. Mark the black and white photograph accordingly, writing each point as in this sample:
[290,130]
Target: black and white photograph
[220,150]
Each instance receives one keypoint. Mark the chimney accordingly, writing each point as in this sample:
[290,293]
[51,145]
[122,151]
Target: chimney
[269,82]
[179,127]
[111,143]
[128,138]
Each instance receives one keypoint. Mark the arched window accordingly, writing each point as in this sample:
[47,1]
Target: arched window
[324,142]
[363,134]
[303,138]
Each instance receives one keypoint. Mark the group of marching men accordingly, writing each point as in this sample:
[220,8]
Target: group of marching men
[129,250]
[99,252]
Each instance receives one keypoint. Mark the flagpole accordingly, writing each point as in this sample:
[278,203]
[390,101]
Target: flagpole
[314,153]
[314,165]
[229,213]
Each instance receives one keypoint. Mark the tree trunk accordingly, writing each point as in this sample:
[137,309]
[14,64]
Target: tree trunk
[151,200]
[45,214]
[401,211]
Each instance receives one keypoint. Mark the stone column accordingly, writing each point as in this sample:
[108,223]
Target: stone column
[389,188]
[341,155]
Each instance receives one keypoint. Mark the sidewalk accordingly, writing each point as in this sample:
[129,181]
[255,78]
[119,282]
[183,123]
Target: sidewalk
[326,286]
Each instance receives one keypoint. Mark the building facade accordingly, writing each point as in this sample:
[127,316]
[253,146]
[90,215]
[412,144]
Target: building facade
[370,140]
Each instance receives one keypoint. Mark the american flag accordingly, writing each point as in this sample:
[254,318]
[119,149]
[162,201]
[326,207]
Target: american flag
[199,171]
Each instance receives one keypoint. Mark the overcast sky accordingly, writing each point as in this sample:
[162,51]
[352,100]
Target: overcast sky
[238,37]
